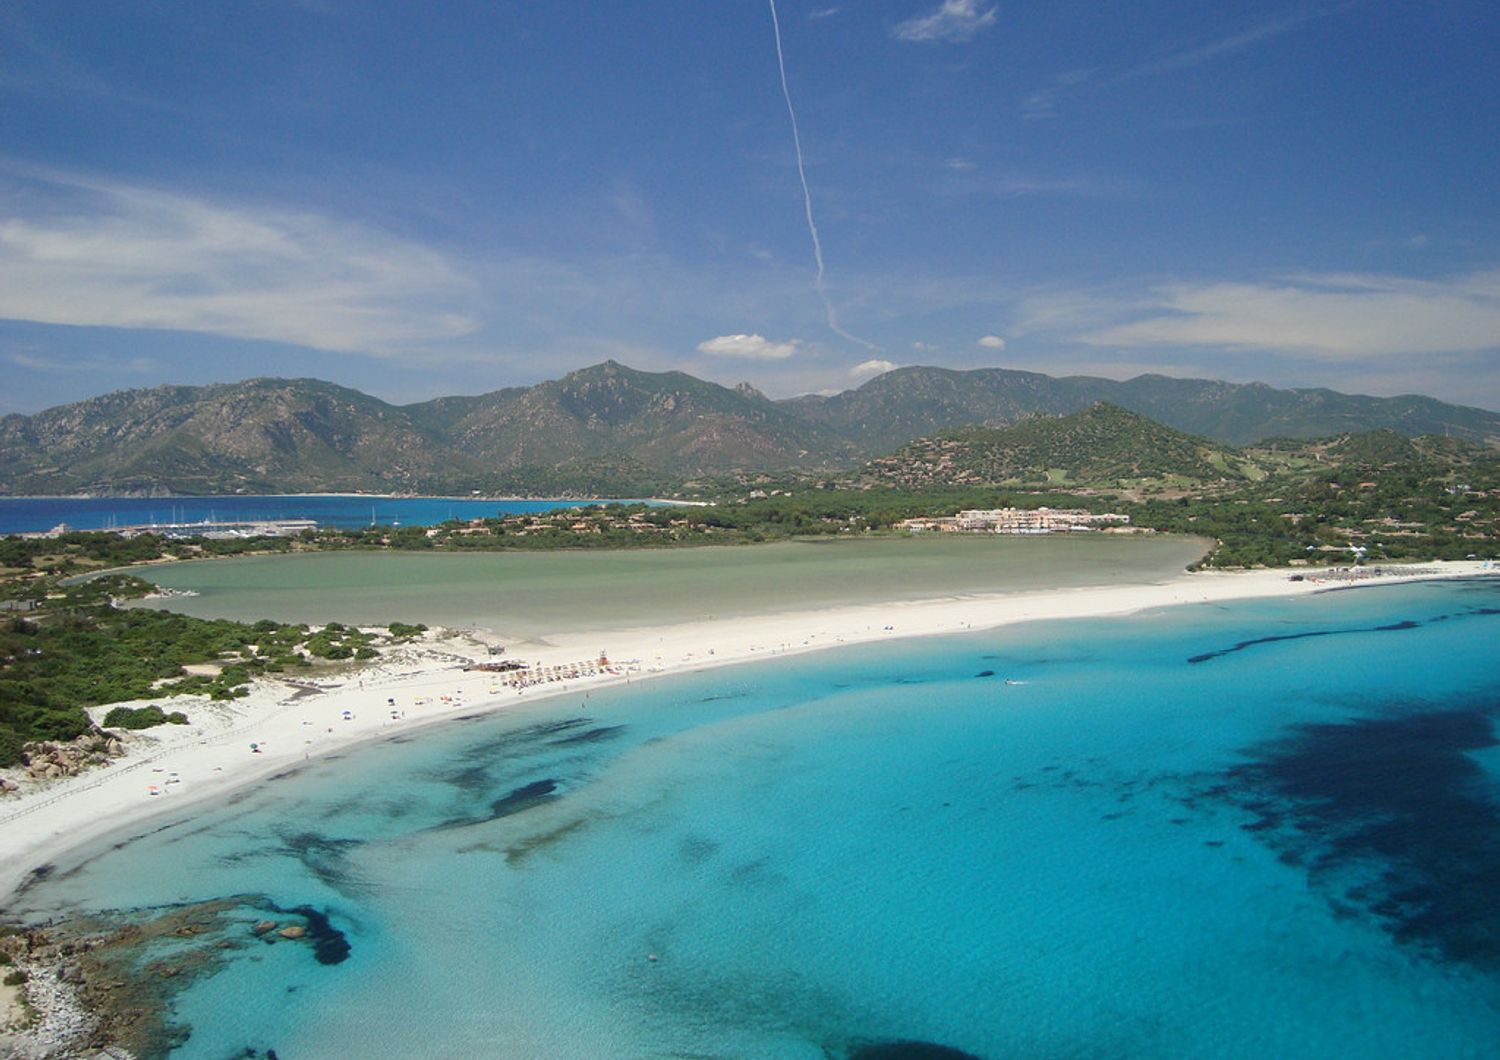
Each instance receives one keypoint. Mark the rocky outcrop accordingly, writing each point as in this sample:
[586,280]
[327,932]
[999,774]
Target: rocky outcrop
[59,1022]
[48,760]
[104,986]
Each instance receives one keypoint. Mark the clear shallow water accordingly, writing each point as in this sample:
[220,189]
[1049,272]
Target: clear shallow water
[34,514]
[529,594]
[1289,847]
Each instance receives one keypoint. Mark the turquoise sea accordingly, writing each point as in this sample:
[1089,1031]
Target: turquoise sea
[1267,829]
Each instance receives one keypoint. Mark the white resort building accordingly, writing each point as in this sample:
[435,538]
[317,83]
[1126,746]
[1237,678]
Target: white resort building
[1017,521]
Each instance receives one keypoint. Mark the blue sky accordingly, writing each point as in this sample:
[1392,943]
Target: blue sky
[418,200]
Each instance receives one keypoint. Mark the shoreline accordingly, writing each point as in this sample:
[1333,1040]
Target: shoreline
[425,684]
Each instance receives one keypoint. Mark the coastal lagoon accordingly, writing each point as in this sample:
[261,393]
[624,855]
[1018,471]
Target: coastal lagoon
[530,594]
[1267,828]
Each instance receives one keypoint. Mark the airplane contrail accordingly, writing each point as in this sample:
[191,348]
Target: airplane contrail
[812,226]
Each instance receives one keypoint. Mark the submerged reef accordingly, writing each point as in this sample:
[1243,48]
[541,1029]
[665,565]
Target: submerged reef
[108,982]
[1393,819]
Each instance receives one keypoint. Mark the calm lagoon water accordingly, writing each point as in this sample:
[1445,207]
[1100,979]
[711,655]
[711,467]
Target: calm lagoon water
[1264,829]
[528,594]
[34,514]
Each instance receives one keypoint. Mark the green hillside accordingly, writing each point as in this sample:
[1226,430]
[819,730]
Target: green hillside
[611,429]
[1104,445]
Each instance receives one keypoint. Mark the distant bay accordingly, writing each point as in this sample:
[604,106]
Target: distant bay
[20,515]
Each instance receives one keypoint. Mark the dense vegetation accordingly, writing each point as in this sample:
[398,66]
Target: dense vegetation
[23,560]
[142,717]
[1103,444]
[77,650]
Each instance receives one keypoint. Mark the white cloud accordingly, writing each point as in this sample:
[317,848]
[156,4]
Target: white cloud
[954,20]
[87,365]
[963,165]
[871,368]
[113,255]
[1329,317]
[992,342]
[923,347]
[754,347]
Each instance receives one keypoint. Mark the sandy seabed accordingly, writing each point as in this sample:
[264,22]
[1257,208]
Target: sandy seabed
[170,767]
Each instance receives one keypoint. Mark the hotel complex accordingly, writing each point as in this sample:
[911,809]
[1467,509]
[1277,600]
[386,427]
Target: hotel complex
[1017,521]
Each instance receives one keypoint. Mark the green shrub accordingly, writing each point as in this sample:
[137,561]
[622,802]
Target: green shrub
[177,717]
[324,647]
[10,746]
[15,978]
[234,675]
[134,717]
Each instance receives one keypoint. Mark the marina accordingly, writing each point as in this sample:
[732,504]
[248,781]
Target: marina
[40,515]
[213,529]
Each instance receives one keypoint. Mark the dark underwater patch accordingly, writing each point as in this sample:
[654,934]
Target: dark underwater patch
[1390,627]
[330,945]
[696,849]
[908,1050]
[34,877]
[1392,818]
[513,802]
[985,673]
[523,798]
[326,857]
[1308,635]
[481,755]
[594,735]
[471,780]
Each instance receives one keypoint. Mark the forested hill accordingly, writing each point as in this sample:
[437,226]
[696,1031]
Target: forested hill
[908,403]
[1104,444]
[1111,449]
[613,429]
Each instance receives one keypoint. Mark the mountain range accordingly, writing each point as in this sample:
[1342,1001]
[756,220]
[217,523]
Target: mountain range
[610,429]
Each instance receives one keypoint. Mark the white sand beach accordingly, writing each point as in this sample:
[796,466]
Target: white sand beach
[280,724]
